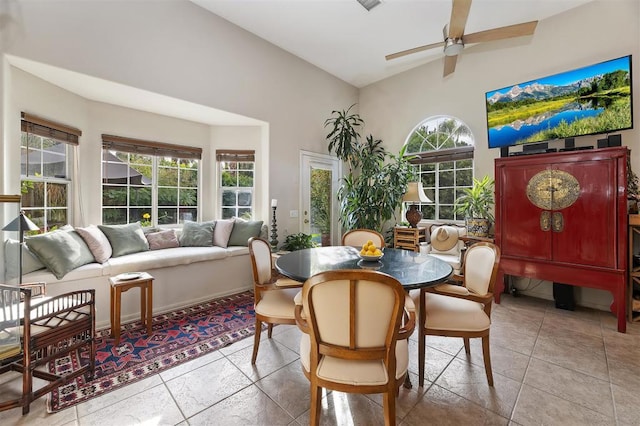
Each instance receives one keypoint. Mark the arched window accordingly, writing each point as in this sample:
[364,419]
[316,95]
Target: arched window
[443,150]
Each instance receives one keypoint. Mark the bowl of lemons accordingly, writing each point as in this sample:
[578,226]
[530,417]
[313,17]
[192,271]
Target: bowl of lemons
[370,252]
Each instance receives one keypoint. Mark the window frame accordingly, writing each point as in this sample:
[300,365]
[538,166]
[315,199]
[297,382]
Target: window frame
[155,153]
[434,160]
[238,157]
[32,126]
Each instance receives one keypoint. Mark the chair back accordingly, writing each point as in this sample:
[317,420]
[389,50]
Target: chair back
[358,237]
[481,267]
[260,253]
[353,314]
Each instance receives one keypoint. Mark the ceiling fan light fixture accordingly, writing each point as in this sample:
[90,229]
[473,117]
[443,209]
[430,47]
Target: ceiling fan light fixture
[369,4]
[453,46]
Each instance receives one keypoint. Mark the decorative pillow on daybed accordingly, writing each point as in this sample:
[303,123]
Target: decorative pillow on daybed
[163,239]
[30,261]
[243,230]
[196,234]
[60,251]
[97,242]
[125,239]
[221,232]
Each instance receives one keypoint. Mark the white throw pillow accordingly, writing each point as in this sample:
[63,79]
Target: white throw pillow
[97,242]
[222,232]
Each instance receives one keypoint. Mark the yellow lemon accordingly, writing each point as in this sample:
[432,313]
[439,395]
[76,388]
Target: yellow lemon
[363,252]
[369,242]
[378,252]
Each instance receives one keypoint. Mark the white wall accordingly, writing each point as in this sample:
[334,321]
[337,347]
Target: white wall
[592,33]
[177,49]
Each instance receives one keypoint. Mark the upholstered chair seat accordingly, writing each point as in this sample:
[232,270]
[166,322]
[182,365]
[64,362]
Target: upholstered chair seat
[277,304]
[449,313]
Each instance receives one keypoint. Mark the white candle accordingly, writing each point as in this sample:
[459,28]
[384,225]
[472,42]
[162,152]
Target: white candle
[274,203]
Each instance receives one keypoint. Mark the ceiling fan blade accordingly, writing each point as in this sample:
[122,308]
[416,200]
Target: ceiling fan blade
[449,65]
[510,31]
[414,50]
[459,15]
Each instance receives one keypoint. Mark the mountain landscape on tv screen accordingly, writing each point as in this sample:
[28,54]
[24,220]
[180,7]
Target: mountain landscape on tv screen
[590,100]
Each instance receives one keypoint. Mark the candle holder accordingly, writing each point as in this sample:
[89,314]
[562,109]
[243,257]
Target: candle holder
[274,231]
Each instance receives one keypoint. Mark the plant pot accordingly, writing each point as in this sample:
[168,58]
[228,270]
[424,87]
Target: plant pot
[478,227]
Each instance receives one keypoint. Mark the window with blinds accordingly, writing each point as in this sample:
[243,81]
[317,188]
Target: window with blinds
[46,150]
[151,182]
[236,183]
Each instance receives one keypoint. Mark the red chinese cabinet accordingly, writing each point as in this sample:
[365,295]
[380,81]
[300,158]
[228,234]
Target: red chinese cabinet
[562,217]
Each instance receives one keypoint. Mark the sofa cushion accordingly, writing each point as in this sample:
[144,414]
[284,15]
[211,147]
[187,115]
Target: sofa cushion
[196,234]
[84,272]
[60,251]
[97,242]
[144,261]
[243,230]
[222,232]
[162,239]
[30,261]
[125,239]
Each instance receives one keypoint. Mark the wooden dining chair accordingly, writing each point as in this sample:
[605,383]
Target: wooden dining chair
[273,297]
[461,310]
[35,332]
[358,237]
[354,337]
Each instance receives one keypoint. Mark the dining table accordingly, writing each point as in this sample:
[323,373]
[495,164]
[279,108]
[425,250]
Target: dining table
[412,269]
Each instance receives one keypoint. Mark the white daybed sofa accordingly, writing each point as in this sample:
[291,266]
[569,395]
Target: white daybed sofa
[182,276]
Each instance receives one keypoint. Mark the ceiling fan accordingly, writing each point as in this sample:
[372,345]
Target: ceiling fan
[455,39]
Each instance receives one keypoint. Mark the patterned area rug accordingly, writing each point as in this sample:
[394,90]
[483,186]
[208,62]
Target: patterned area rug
[178,336]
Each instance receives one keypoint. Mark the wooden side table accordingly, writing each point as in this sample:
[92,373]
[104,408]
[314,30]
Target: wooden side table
[409,238]
[118,286]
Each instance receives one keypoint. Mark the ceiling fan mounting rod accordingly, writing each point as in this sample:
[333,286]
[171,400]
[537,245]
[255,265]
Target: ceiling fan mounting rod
[453,46]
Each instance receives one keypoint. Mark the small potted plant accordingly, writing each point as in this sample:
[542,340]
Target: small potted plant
[476,203]
[298,241]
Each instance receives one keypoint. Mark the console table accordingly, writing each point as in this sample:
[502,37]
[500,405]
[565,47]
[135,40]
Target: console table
[562,217]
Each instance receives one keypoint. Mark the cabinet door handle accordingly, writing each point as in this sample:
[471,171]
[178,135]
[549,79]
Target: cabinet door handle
[557,222]
[545,220]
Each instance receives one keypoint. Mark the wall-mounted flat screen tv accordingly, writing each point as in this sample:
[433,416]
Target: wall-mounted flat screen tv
[590,100]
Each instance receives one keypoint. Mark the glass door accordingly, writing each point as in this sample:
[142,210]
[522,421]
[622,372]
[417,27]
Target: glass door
[319,203]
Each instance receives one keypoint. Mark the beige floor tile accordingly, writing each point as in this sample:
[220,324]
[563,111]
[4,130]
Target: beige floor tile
[153,406]
[470,381]
[536,407]
[250,406]
[121,394]
[627,405]
[504,361]
[272,356]
[511,336]
[442,407]
[178,370]
[347,409]
[580,321]
[435,362]
[577,351]
[576,387]
[199,389]
[407,398]
[289,336]
[289,388]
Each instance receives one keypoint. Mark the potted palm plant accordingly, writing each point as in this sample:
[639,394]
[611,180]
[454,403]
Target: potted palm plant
[476,204]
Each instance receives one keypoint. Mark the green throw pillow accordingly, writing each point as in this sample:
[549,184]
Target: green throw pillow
[60,251]
[125,239]
[243,230]
[196,234]
[30,261]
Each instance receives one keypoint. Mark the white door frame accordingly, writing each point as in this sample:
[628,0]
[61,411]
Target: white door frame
[327,162]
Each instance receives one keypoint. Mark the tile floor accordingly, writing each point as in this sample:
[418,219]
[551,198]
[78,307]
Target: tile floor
[551,367]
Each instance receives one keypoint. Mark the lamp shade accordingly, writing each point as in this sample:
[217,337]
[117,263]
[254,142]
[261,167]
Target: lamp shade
[415,193]
[21,224]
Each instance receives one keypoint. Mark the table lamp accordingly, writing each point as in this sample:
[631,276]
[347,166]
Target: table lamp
[414,194]
[21,224]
